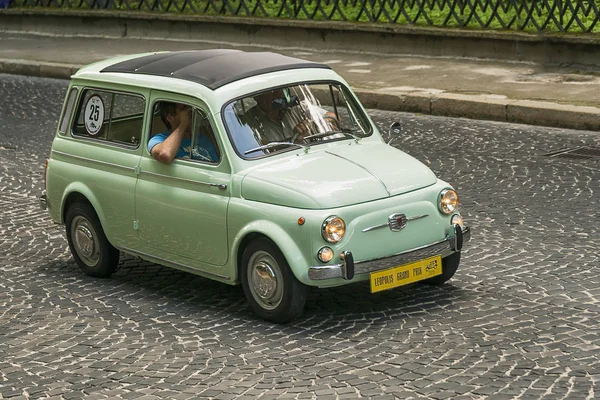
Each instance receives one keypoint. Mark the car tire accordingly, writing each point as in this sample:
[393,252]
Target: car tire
[269,284]
[88,243]
[449,267]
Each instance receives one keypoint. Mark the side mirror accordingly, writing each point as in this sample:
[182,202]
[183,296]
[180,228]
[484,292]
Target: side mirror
[395,129]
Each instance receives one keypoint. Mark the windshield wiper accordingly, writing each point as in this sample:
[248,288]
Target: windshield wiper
[276,144]
[346,131]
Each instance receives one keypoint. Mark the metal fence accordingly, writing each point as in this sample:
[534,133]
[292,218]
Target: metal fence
[524,15]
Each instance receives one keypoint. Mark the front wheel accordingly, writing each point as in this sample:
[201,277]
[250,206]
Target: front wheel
[271,288]
[88,243]
[449,267]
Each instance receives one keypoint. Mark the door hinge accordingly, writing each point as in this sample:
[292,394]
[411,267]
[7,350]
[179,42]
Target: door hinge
[136,225]
[137,170]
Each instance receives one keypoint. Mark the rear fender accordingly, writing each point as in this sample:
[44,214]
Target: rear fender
[83,190]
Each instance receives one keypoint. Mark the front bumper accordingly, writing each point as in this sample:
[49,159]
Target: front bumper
[348,268]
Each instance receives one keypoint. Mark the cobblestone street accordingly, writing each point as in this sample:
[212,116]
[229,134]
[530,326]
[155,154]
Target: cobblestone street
[520,319]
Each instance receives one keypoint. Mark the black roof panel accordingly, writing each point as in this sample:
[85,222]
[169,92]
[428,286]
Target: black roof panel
[211,68]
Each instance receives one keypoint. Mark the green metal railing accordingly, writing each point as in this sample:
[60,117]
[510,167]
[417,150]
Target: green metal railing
[522,15]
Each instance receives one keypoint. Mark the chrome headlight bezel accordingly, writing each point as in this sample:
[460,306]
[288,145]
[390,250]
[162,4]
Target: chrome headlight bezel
[330,232]
[449,201]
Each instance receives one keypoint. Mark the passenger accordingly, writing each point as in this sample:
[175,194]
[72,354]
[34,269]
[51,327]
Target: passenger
[176,143]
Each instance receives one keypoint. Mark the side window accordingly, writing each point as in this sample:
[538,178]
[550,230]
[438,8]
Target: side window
[198,143]
[341,108]
[127,119]
[205,145]
[66,117]
[110,116]
[349,114]
[93,113]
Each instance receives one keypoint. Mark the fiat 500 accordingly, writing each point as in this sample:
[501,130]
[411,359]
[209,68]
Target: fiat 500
[248,168]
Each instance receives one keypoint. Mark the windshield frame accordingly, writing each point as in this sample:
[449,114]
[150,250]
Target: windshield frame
[350,97]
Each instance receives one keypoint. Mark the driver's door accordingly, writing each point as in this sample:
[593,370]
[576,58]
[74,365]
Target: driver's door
[181,207]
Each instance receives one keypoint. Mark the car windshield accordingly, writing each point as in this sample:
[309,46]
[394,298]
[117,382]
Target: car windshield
[294,117]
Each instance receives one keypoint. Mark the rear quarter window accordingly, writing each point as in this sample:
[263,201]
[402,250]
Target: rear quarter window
[112,117]
[66,116]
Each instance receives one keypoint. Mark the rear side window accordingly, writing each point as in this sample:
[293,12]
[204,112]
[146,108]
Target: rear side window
[110,116]
[66,117]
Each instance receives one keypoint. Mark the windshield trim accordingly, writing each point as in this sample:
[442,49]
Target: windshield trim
[345,89]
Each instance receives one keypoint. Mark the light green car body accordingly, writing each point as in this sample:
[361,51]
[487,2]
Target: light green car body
[198,217]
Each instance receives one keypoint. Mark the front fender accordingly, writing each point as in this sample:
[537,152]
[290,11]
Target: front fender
[288,246]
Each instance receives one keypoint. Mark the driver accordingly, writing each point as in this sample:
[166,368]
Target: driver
[176,143]
[278,117]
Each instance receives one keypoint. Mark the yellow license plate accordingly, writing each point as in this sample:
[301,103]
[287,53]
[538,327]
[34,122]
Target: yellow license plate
[405,274]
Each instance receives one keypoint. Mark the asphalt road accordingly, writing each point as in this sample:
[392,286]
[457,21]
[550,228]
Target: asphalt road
[520,318]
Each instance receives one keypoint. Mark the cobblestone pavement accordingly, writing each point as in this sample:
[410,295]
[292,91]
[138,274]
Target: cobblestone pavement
[520,318]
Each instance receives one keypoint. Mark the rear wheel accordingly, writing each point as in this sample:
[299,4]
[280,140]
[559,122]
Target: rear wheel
[271,288]
[449,267]
[88,243]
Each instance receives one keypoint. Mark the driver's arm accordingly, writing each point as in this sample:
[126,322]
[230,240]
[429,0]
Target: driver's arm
[332,120]
[303,128]
[167,150]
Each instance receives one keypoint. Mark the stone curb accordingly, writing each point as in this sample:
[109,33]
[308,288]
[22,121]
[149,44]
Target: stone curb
[37,68]
[480,107]
[444,104]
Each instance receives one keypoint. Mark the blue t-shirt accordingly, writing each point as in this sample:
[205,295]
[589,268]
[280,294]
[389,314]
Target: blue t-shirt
[204,149]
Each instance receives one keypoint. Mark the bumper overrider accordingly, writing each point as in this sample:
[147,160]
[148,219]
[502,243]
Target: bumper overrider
[347,269]
[43,199]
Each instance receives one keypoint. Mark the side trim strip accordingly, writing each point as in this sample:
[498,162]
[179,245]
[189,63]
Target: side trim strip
[221,186]
[131,169]
[168,263]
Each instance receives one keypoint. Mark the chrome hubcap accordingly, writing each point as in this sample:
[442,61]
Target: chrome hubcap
[264,277]
[264,280]
[85,241]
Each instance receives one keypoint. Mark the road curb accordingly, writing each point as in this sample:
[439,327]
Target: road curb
[444,104]
[37,68]
[485,108]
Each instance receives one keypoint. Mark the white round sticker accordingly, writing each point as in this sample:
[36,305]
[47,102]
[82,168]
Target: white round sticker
[94,115]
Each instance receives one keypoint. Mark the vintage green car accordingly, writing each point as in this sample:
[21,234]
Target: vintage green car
[248,168]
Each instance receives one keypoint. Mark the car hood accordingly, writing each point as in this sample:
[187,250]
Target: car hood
[337,177]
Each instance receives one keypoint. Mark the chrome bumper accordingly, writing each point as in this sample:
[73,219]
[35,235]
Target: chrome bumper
[348,268]
[43,201]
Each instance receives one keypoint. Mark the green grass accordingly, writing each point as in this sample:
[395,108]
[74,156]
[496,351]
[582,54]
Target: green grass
[434,12]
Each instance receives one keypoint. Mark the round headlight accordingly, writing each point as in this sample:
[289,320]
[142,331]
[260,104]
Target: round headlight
[333,229]
[325,254]
[448,201]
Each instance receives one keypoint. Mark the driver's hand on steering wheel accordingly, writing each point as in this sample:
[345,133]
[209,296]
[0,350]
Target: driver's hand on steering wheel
[301,130]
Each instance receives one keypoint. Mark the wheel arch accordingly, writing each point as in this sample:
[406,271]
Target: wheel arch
[79,193]
[278,236]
